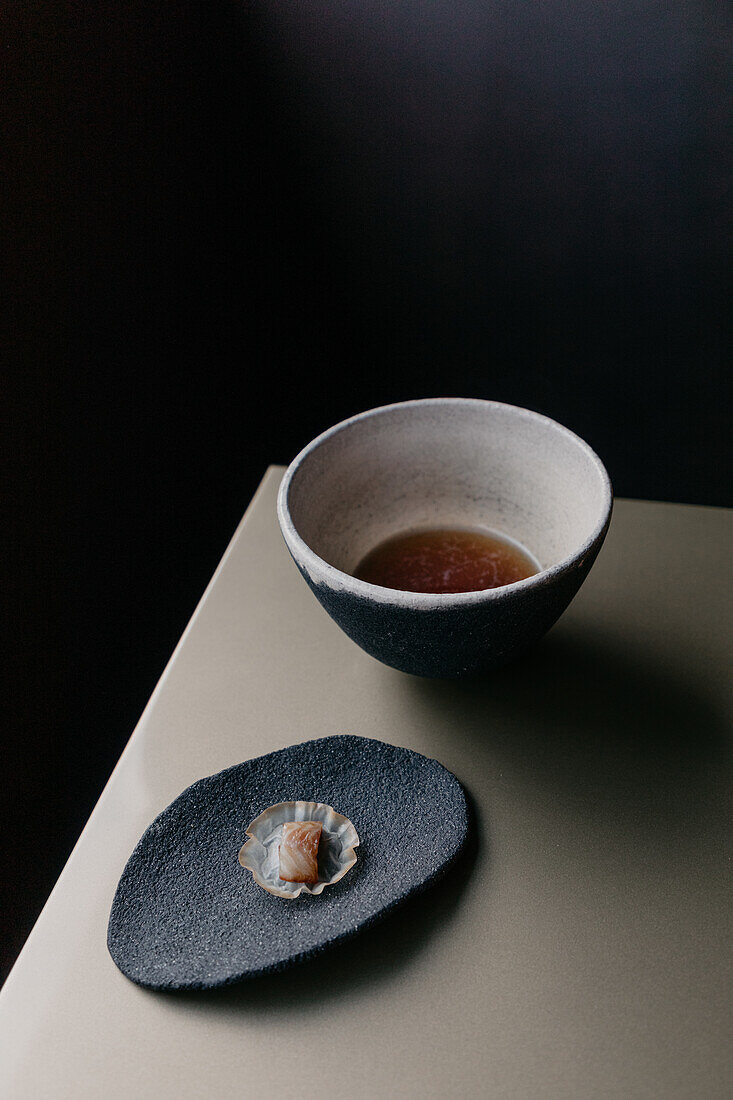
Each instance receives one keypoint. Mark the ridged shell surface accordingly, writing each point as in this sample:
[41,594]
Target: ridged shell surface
[261,853]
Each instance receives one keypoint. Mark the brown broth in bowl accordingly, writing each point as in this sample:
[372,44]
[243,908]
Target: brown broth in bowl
[445,560]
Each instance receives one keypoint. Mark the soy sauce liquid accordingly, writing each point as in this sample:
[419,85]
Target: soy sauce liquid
[445,560]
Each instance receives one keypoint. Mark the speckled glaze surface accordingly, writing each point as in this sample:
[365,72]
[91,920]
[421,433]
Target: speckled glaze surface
[442,462]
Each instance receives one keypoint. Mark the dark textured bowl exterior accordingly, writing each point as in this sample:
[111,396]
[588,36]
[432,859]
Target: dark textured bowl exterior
[454,641]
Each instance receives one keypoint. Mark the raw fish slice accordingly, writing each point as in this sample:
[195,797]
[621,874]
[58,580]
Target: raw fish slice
[299,851]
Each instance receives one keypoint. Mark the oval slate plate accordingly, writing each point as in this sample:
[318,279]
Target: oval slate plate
[186,915]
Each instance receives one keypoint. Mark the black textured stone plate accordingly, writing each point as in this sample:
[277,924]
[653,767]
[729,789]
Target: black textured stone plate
[186,915]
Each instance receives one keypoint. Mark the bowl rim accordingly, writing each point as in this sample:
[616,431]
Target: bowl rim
[320,570]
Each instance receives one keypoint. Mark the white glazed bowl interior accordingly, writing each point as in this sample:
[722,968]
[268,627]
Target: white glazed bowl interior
[445,462]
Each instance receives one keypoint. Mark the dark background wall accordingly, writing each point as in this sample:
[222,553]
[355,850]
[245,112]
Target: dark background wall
[230,225]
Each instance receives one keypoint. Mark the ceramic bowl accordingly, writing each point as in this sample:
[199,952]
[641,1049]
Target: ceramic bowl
[445,462]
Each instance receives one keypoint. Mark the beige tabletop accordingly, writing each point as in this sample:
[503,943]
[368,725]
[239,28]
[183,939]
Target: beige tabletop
[584,950]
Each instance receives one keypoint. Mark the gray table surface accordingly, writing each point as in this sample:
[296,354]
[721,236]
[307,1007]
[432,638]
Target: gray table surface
[583,951]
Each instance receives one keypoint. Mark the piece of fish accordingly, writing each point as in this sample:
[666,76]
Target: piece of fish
[299,851]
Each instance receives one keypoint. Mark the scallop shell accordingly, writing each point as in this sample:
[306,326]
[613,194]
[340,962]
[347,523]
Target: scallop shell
[261,853]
